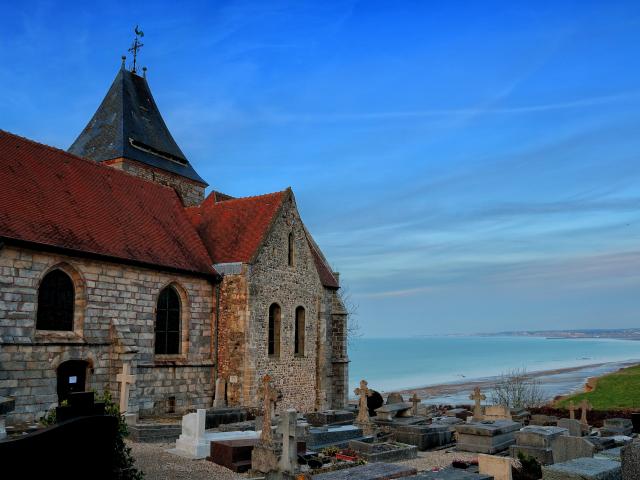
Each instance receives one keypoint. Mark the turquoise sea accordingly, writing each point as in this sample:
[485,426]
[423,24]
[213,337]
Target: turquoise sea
[400,363]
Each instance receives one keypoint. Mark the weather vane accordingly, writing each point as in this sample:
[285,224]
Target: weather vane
[137,45]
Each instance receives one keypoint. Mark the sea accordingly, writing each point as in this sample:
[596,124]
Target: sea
[390,364]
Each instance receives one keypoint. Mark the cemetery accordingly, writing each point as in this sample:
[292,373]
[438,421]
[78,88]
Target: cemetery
[375,438]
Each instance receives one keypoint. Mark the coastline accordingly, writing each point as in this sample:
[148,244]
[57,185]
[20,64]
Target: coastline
[554,382]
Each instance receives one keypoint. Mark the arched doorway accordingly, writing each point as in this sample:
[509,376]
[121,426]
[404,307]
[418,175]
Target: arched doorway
[72,376]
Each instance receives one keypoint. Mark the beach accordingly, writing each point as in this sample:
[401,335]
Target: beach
[444,370]
[553,383]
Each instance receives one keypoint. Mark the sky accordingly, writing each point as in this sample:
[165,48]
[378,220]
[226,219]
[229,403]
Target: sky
[465,166]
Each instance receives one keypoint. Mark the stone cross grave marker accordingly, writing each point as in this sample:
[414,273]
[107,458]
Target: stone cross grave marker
[416,401]
[477,397]
[125,379]
[572,410]
[287,427]
[269,397]
[363,410]
[585,406]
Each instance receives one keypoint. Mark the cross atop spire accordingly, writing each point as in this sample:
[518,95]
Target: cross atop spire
[135,46]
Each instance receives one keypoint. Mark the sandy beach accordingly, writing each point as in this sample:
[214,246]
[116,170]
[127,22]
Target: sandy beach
[553,383]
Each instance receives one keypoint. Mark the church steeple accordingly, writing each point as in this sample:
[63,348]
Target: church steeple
[128,132]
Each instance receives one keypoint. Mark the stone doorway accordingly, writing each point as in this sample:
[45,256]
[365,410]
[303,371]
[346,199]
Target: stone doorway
[72,376]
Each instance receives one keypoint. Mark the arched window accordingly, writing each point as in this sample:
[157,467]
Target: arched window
[274,330]
[291,249]
[168,322]
[299,332]
[56,297]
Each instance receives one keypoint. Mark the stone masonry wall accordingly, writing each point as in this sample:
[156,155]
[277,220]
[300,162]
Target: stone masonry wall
[232,345]
[272,280]
[114,321]
[191,193]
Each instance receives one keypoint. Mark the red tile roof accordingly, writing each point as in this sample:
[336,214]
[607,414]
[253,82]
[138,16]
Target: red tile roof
[52,198]
[233,229]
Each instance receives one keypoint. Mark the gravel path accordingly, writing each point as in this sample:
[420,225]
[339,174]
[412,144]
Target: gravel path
[158,464]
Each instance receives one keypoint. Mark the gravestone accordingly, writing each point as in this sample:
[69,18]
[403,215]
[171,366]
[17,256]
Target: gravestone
[630,456]
[583,469]
[320,437]
[486,437]
[520,415]
[220,400]
[125,379]
[394,397]
[497,412]
[477,397]
[497,467]
[265,455]
[574,427]
[192,442]
[584,406]
[616,426]
[536,442]
[567,448]
[287,429]
[416,401]
[371,471]
[363,420]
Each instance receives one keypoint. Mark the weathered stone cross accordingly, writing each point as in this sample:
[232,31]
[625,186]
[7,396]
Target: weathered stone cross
[416,401]
[572,410]
[477,396]
[269,396]
[584,405]
[363,409]
[125,379]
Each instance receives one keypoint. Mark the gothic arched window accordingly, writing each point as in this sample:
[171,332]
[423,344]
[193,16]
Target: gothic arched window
[168,322]
[299,332]
[56,298]
[274,330]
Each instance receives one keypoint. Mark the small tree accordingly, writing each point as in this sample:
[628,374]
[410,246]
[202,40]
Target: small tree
[517,389]
[353,327]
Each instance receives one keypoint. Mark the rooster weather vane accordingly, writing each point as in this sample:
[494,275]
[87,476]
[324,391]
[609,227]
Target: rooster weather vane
[135,46]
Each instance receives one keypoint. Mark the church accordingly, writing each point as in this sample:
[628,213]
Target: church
[113,260]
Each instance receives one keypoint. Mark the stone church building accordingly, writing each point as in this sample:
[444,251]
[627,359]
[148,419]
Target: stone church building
[110,254]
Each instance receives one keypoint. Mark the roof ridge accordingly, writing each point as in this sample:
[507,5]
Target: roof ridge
[86,160]
[252,197]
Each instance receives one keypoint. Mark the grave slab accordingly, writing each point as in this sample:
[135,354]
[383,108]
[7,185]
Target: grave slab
[384,452]
[424,437]
[329,417]
[338,435]
[583,469]
[372,471]
[535,441]
[486,437]
[543,420]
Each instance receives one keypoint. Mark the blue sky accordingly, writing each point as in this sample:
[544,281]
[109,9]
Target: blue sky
[466,166]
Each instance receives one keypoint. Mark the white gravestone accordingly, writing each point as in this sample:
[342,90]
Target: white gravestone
[193,442]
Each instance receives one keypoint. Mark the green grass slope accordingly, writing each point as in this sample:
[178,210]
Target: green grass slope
[619,390]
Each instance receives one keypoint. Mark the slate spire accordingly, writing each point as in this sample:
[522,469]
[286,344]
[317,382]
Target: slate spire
[128,125]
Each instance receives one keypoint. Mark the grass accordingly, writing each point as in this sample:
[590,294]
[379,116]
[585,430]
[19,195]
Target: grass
[615,391]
